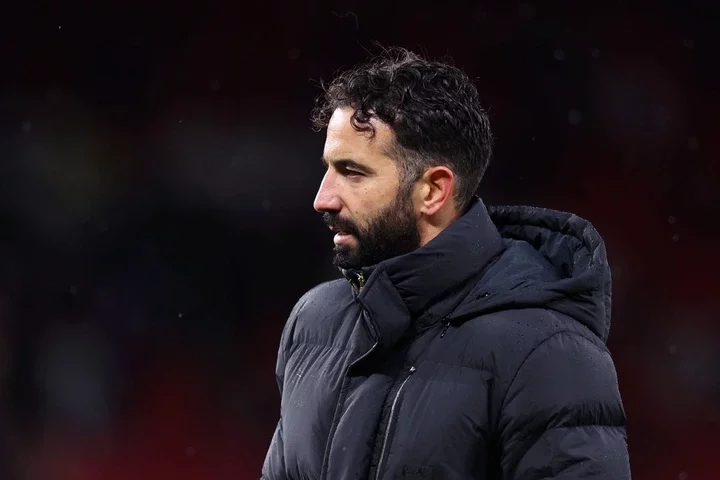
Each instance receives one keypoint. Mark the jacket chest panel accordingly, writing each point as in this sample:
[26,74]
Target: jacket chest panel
[439,417]
[442,419]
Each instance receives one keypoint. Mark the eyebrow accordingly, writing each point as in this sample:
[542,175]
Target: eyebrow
[349,163]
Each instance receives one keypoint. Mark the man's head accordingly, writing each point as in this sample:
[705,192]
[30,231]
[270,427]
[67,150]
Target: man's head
[407,145]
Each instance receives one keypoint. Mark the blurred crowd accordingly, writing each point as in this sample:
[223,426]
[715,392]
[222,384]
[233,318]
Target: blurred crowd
[157,173]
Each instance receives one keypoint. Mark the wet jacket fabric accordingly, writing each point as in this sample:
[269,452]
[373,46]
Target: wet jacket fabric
[481,355]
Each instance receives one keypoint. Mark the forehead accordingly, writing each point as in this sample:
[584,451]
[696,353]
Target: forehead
[344,141]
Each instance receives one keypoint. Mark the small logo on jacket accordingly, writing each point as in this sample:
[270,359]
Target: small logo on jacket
[412,472]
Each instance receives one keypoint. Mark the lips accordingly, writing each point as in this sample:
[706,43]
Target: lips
[342,238]
[339,231]
[338,225]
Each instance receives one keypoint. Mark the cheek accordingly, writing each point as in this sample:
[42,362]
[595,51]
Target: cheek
[378,194]
[370,202]
[367,197]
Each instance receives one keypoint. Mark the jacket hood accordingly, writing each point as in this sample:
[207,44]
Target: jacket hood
[552,260]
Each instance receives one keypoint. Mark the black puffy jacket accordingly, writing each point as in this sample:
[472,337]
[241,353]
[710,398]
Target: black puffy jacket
[480,355]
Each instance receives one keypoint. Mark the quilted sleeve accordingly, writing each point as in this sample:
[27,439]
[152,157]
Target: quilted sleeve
[562,417]
[274,465]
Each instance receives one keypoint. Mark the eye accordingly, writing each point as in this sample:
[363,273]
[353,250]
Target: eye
[351,173]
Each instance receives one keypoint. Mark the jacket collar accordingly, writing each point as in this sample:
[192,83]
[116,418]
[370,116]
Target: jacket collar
[416,290]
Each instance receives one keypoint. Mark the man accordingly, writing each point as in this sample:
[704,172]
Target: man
[463,343]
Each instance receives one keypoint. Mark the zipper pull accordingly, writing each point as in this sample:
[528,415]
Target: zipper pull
[445,328]
[361,280]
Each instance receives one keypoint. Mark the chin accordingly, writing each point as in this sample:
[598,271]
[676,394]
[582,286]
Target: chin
[345,257]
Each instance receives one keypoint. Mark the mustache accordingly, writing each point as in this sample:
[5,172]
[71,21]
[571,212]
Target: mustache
[335,221]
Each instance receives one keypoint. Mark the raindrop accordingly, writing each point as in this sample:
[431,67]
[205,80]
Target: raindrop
[574,116]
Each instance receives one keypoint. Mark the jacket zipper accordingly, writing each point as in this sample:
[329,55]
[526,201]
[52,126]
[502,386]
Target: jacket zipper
[446,325]
[361,281]
[338,411]
[356,278]
[390,422]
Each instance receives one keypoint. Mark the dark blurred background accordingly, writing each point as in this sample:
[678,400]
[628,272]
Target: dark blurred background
[157,172]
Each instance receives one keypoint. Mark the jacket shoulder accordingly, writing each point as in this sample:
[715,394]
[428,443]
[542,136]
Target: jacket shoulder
[318,313]
[322,296]
[505,343]
[505,339]
[522,330]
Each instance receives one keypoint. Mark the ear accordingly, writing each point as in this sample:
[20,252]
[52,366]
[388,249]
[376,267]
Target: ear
[437,186]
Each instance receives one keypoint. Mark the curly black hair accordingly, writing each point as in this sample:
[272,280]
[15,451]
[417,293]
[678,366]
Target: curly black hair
[433,108]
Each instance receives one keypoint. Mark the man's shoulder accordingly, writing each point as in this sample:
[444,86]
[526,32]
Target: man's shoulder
[320,311]
[504,341]
[517,332]
[324,295]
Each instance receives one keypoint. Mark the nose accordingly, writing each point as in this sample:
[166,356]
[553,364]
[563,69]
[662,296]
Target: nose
[327,198]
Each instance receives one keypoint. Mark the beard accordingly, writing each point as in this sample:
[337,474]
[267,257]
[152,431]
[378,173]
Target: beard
[392,231]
